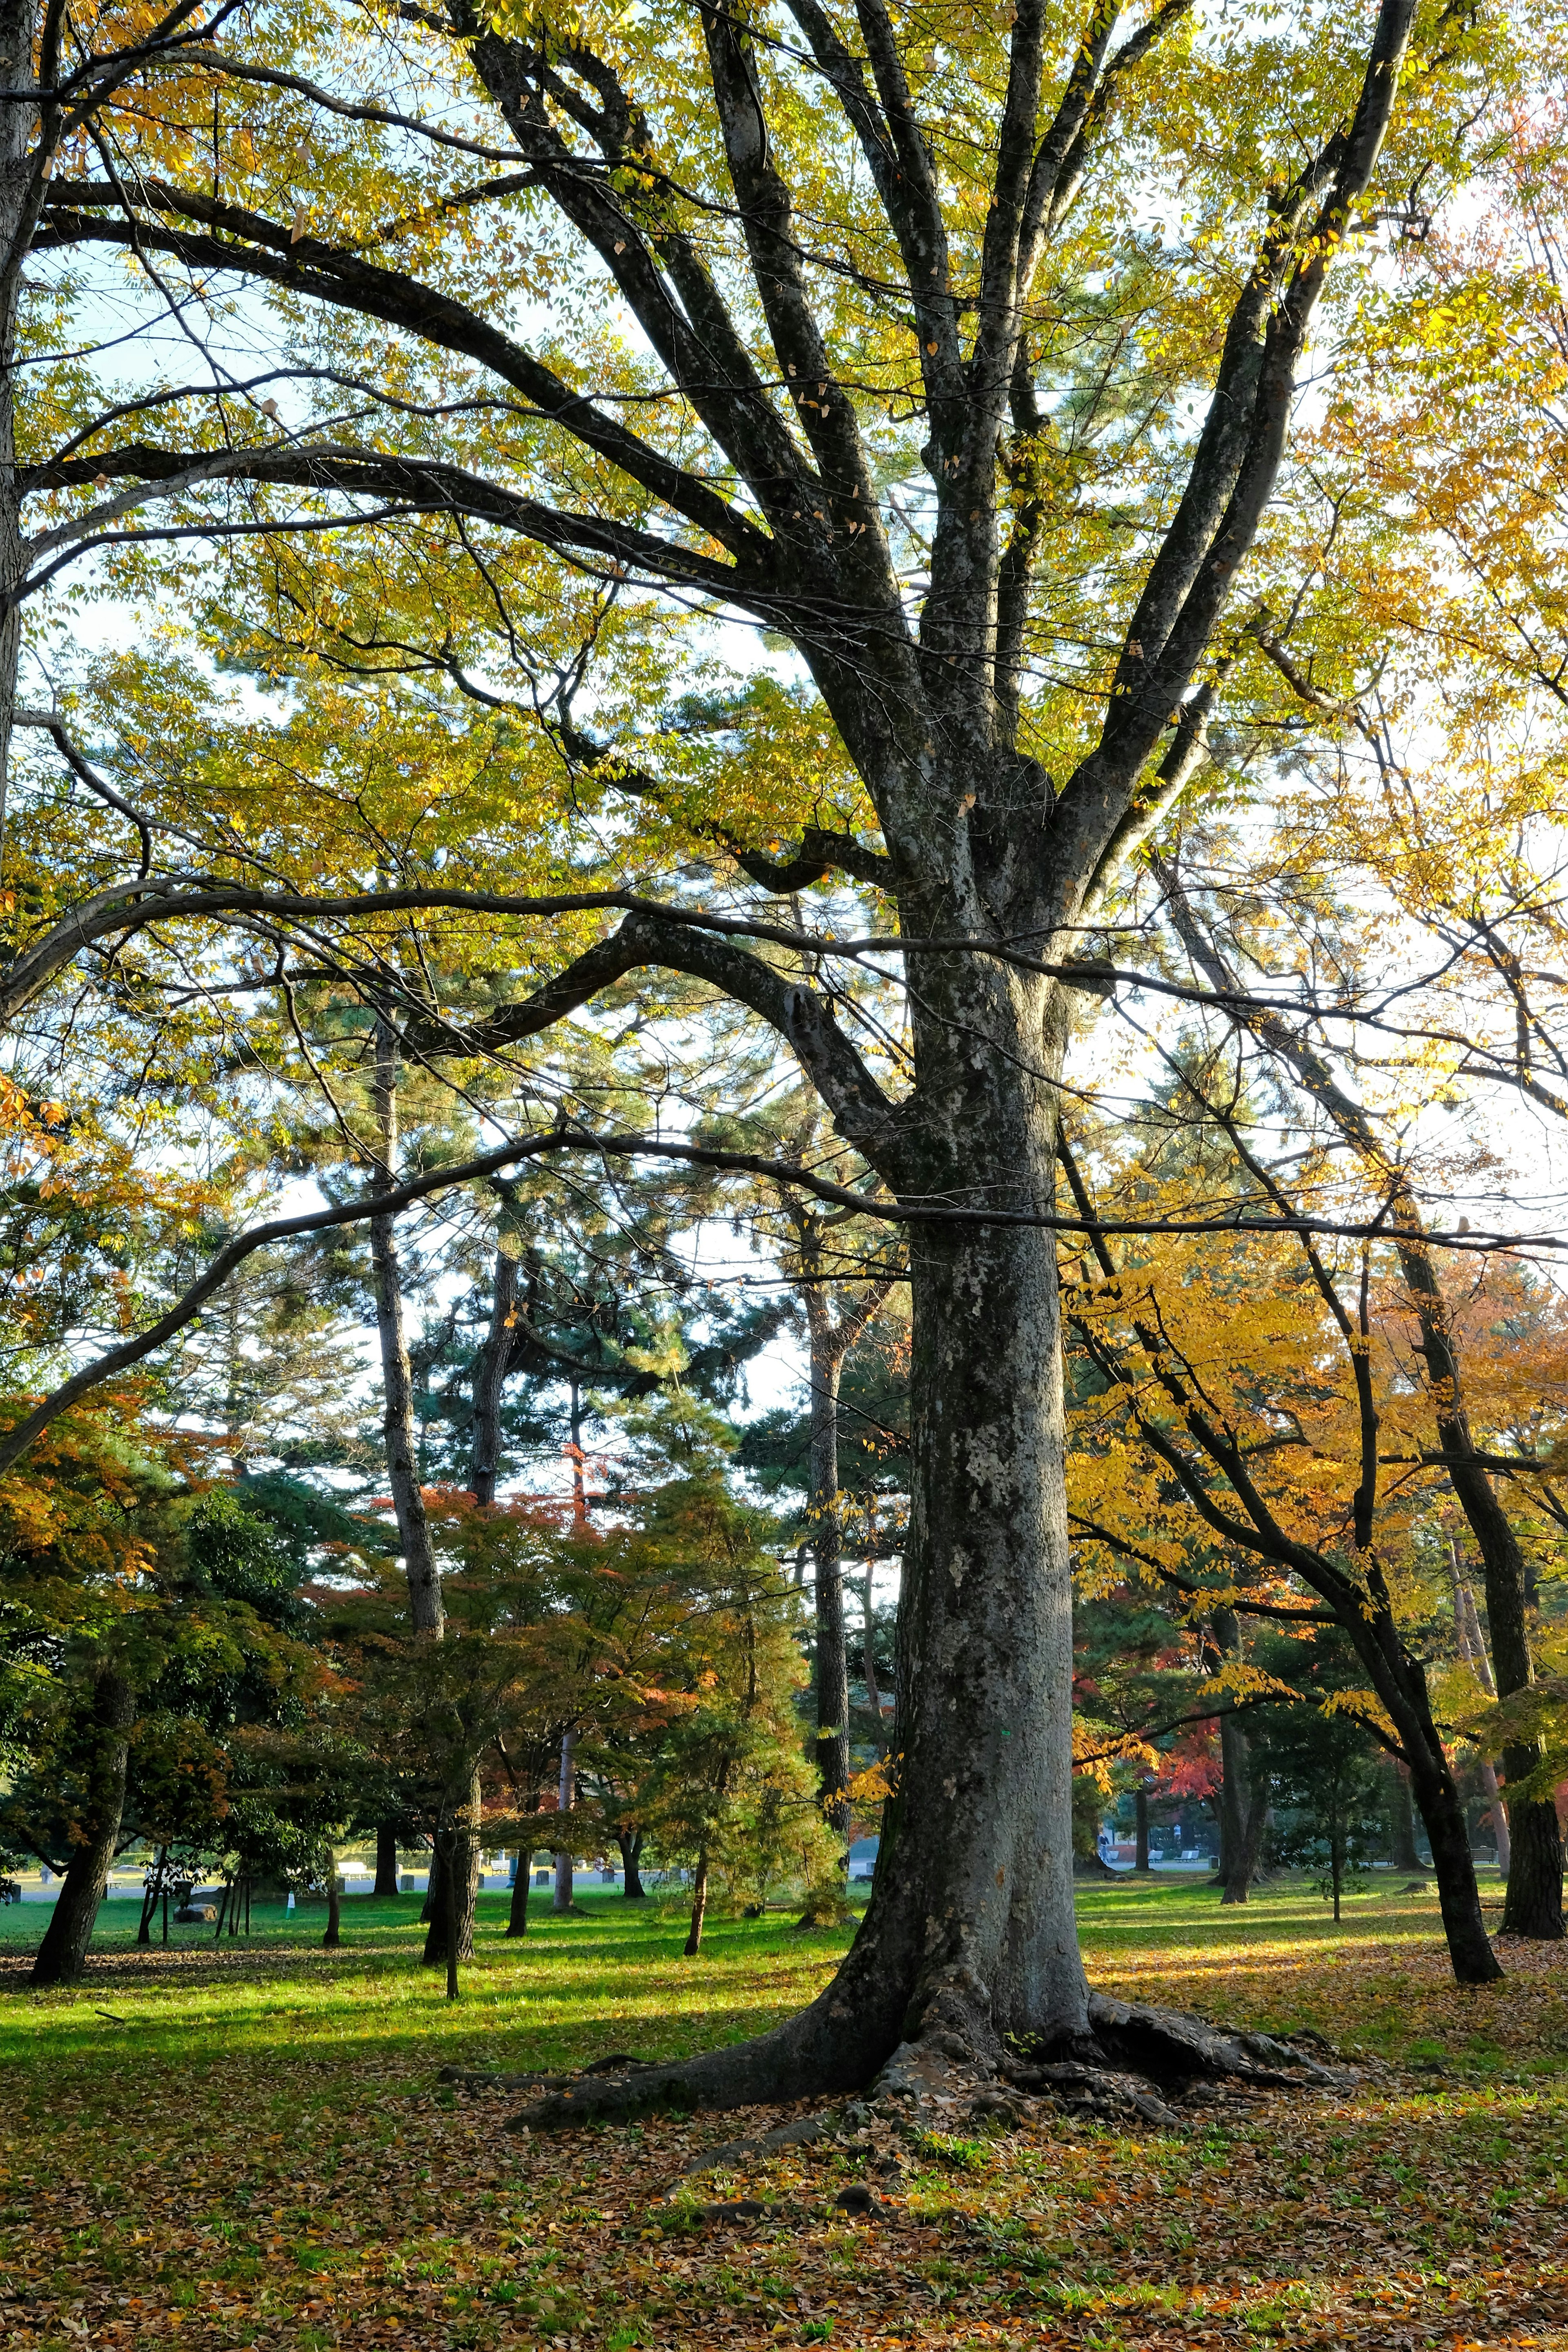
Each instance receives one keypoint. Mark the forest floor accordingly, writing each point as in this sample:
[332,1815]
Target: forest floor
[240,2145]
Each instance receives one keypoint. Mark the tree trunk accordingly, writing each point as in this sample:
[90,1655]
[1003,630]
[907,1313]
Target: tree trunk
[568,1796]
[699,1906]
[970,1932]
[1243,1808]
[331,1941]
[385,1859]
[827,1544]
[1497,1814]
[150,1898]
[105,1752]
[490,1381]
[1244,1846]
[18,214]
[1402,1854]
[868,1618]
[1473,1652]
[425,1607]
[458,1851]
[1140,1830]
[579,1481]
[631,1845]
[1532,1905]
[453,1924]
[517,1913]
[434,1904]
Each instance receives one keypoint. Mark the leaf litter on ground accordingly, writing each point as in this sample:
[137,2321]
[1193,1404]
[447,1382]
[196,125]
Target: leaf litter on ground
[261,2153]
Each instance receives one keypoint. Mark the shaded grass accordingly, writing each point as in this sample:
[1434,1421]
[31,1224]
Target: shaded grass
[257,2154]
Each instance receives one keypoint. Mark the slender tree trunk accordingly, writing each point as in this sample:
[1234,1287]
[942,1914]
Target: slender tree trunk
[150,1898]
[579,1482]
[568,1798]
[826,1544]
[1532,1905]
[1497,1813]
[331,1941]
[385,1859]
[1473,1652]
[631,1845]
[868,1619]
[516,1910]
[18,212]
[222,1909]
[699,1906]
[106,1744]
[425,1607]
[453,1922]
[1140,1830]
[490,1380]
[1402,1852]
[458,1851]
[517,1914]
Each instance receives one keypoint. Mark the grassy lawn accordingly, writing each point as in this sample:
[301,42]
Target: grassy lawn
[250,2148]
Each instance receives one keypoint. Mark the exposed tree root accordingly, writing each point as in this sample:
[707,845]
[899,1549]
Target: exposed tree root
[1137,2063]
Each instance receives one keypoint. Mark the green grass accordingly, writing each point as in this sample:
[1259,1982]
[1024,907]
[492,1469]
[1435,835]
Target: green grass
[251,2149]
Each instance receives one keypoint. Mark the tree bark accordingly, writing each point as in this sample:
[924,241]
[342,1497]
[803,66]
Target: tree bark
[1401,1812]
[827,1545]
[693,1944]
[385,1859]
[150,1897]
[868,1619]
[331,1941]
[516,1910]
[1246,1814]
[1140,1832]
[452,1925]
[457,1852]
[631,1845]
[20,193]
[490,1380]
[106,1746]
[1473,1653]
[567,1798]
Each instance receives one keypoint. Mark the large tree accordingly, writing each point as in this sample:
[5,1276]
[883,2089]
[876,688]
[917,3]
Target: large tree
[829,236]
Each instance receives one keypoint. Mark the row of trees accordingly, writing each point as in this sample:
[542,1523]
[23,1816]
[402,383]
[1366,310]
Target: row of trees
[182,1676]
